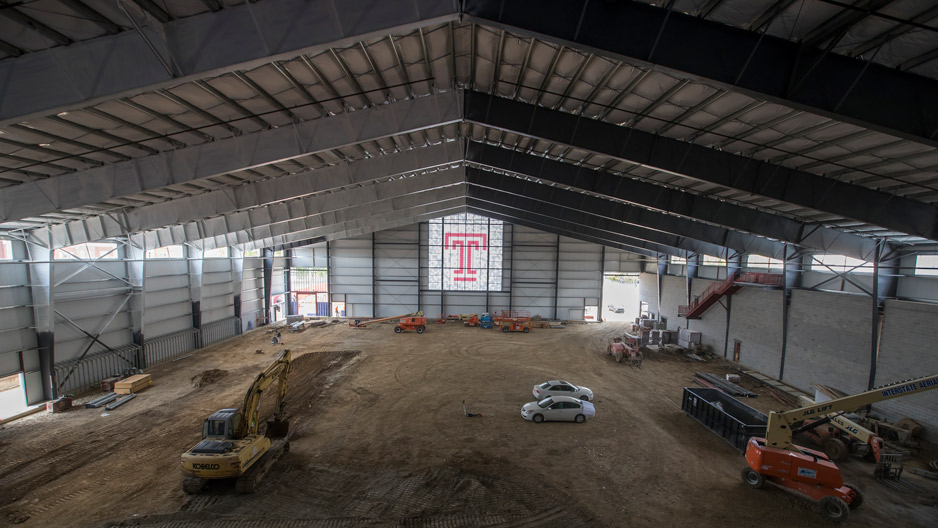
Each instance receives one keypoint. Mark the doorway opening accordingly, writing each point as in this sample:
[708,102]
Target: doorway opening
[620,293]
[12,396]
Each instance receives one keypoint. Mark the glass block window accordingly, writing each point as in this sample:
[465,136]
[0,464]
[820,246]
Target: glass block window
[465,253]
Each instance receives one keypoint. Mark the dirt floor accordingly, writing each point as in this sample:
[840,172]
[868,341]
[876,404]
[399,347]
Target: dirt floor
[381,440]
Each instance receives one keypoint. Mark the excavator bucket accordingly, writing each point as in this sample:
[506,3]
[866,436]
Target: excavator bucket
[278,428]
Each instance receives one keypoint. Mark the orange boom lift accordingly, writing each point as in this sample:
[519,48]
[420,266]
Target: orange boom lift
[806,471]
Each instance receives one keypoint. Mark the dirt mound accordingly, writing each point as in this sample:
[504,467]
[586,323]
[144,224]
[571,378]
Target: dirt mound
[208,377]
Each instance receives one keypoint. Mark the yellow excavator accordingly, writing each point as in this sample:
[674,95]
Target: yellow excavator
[232,447]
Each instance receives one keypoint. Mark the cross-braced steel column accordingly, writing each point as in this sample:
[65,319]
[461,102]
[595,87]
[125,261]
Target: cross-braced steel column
[40,281]
[792,271]
[661,270]
[194,257]
[268,267]
[135,260]
[237,280]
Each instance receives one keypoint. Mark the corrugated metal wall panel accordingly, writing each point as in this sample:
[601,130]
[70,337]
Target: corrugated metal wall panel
[350,270]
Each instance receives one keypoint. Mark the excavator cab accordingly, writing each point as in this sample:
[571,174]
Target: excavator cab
[221,425]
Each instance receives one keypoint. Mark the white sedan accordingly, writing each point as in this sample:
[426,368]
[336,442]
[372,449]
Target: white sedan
[561,388]
[558,409]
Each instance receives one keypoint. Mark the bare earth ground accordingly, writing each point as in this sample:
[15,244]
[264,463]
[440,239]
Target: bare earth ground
[382,441]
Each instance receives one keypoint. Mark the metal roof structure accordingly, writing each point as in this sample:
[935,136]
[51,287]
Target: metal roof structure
[670,127]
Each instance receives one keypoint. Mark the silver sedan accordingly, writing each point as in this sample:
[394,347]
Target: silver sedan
[558,409]
[561,388]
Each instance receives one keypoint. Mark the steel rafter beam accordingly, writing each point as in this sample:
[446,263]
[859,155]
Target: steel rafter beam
[348,225]
[844,88]
[560,208]
[836,26]
[315,212]
[522,218]
[637,222]
[738,219]
[230,200]
[707,165]
[239,37]
[277,200]
[31,23]
[206,160]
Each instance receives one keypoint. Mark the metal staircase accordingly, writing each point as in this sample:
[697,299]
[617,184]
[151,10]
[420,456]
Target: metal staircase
[729,286]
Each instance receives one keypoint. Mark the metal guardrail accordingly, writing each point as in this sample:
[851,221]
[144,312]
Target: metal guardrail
[219,330]
[170,346]
[93,368]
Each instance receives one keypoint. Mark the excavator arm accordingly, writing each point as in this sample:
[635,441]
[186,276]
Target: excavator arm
[779,431]
[277,370]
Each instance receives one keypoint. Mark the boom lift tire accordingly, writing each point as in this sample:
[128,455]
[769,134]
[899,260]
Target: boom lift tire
[752,479]
[398,330]
[420,329]
[858,500]
[835,449]
[834,509]
[618,355]
[505,329]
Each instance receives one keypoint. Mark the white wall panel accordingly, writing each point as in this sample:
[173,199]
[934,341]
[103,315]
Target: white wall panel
[579,278]
[350,270]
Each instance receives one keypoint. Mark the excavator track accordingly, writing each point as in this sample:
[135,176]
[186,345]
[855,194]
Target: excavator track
[193,485]
[247,483]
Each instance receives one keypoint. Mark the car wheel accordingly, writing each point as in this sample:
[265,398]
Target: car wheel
[834,509]
[752,478]
[505,329]
[579,418]
[397,330]
[585,398]
[537,418]
[420,329]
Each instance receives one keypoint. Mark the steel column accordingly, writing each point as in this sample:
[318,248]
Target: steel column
[40,273]
[135,254]
[268,268]
[194,258]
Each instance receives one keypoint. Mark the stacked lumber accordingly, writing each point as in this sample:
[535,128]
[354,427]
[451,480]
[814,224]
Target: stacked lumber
[132,384]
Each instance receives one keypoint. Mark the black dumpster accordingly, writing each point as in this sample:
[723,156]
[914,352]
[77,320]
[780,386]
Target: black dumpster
[728,418]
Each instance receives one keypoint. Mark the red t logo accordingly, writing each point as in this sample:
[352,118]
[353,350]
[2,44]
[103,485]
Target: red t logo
[465,243]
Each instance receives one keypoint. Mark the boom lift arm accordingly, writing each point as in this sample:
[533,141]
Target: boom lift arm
[778,432]
[358,323]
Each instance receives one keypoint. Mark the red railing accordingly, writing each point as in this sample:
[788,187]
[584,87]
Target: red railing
[720,288]
[512,315]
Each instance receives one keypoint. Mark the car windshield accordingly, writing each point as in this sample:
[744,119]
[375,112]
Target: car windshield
[545,385]
[546,402]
